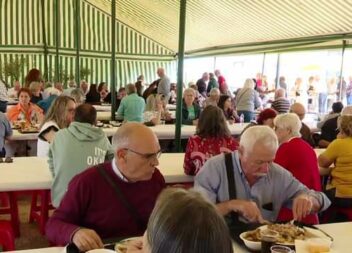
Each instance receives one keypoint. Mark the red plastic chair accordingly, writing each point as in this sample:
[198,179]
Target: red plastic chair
[12,210]
[40,212]
[7,238]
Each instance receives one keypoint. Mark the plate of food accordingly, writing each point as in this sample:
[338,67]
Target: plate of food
[121,247]
[28,130]
[288,233]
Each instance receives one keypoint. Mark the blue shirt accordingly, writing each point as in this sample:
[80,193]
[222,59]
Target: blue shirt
[131,108]
[278,187]
[5,129]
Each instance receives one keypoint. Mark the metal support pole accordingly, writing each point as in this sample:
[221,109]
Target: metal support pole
[277,71]
[46,70]
[113,60]
[263,64]
[77,39]
[181,52]
[341,69]
[57,40]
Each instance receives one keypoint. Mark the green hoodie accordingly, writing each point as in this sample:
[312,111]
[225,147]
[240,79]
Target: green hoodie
[73,150]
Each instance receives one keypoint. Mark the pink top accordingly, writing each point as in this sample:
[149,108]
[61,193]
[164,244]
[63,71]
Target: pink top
[300,159]
[199,150]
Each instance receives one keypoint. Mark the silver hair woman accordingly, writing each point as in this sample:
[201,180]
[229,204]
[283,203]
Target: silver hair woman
[287,126]
[184,221]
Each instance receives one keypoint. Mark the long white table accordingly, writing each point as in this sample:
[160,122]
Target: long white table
[32,173]
[163,132]
[341,232]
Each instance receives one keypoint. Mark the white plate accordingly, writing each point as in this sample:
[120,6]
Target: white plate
[123,242]
[312,233]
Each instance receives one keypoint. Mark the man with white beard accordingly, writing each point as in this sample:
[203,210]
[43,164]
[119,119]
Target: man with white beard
[249,186]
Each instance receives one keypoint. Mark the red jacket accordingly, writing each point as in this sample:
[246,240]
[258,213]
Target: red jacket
[300,159]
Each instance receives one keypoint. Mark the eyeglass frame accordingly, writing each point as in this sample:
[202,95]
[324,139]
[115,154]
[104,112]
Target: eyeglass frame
[147,156]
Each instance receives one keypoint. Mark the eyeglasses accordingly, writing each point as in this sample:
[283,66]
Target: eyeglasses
[147,156]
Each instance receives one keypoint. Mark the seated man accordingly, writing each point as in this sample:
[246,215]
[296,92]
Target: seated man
[75,148]
[91,210]
[260,187]
[5,131]
[306,134]
[131,107]
[281,104]
[329,128]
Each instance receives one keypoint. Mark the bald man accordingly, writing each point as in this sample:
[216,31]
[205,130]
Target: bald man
[92,210]
[299,109]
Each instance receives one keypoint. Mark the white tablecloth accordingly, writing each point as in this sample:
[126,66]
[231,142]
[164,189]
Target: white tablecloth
[341,232]
[32,173]
[163,132]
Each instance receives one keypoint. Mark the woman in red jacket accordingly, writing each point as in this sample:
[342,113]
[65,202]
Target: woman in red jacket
[295,155]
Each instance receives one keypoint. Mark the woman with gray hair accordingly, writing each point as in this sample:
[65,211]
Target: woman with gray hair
[175,227]
[190,109]
[247,100]
[295,155]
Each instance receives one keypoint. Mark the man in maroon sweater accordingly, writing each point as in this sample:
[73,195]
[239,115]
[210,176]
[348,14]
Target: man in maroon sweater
[91,210]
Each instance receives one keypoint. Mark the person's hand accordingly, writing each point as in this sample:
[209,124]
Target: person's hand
[248,209]
[87,239]
[135,246]
[302,206]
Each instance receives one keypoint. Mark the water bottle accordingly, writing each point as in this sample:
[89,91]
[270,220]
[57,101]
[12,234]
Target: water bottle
[241,119]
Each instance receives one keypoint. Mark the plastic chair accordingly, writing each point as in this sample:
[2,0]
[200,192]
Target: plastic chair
[7,238]
[40,212]
[12,210]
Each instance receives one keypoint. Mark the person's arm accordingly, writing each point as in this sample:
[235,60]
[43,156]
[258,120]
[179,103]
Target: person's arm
[329,156]
[121,110]
[63,226]
[188,164]
[299,198]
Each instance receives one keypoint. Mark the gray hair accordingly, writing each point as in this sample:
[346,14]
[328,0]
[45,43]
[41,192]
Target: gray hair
[280,93]
[34,86]
[347,110]
[248,84]
[78,95]
[289,121]
[259,134]
[121,138]
[174,226]
[214,92]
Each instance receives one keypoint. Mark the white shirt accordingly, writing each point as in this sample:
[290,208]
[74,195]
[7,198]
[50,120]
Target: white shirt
[117,171]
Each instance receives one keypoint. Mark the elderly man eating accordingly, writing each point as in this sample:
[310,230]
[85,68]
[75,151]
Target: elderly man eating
[113,199]
[249,186]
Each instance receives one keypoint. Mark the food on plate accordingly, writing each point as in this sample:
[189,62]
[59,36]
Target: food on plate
[287,233]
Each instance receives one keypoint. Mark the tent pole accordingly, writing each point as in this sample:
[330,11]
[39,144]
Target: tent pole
[263,64]
[277,71]
[46,73]
[57,41]
[113,60]
[341,69]
[77,40]
[181,52]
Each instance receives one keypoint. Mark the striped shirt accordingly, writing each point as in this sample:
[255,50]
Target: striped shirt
[281,105]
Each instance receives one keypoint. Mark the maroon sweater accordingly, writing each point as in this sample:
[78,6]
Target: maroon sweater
[91,202]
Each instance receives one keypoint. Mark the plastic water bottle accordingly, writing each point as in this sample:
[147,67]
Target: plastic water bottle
[241,119]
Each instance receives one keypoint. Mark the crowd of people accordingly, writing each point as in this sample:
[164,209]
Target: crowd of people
[107,190]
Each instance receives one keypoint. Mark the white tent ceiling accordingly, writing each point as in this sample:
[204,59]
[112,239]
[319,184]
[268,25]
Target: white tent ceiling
[222,23]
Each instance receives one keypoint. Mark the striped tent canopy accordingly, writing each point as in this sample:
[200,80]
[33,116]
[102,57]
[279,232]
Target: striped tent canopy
[228,26]
[147,33]
[26,26]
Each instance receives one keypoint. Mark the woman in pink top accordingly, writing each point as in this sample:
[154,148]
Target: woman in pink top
[298,157]
[212,138]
